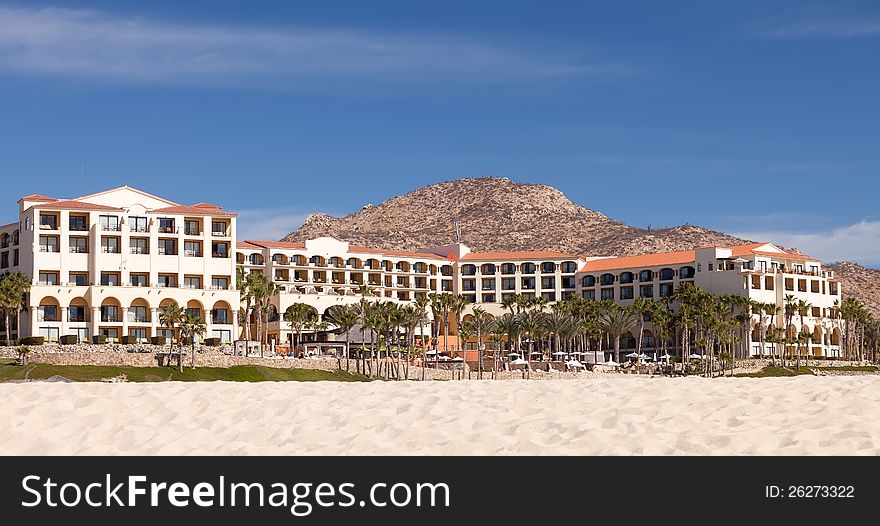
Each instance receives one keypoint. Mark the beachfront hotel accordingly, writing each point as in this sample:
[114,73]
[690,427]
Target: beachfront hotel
[106,263]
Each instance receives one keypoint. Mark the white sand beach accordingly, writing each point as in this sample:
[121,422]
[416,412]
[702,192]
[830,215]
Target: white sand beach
[603,416]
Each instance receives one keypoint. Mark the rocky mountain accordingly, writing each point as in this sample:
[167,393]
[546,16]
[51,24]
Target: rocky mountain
[859,282]
[499,214]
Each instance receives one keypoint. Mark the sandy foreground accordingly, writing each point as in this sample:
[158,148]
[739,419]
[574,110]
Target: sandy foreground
[603,416]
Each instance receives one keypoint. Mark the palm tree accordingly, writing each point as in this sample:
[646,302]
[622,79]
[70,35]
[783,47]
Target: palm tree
[170,317]
[421,304]
[481,322]
[246,282]
[643,308]
[345,317]
[616,322]
[191,327]
[13,287]
[298,315]
[790,309]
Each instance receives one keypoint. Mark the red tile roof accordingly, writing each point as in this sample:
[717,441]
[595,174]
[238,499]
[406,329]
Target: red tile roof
[193,210]
[245,244]
[646,260]
[76,205]
[37,197]
[492,256]
[207,205]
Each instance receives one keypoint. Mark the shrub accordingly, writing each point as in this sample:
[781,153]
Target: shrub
[186,341]
[128,340]
[99,339]
[69,339]
[212,342]
[158,340]
[8,343]
[33,340]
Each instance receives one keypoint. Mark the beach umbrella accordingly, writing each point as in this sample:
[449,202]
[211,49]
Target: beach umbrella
[694,356]
[519,361]
[632,355]
[611,363]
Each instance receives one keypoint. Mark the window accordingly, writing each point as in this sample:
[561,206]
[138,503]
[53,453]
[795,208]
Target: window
[607,294]
[488,298]
[109,223]
[109,279]
[48,243]
[709,266]
[50,333]
[548,267]
[686,272]
[218,228]
[79,245]
[191,228]
[220,316]
[646,275]
[4,260]
[666,290]
[109,313]
[528,268]
[192,249]
[508,284]
[468,270]
[139,245]
[488,284]
[168,247]
[589,294]
[48,312]
[549,296]
[48,278]
[79,279]
[76,313]
[166,225]
[224,335]
[219,283]
[588,281]
[15,257]
[78,223]
[768,283]
[110,245]
[646,291]
[528,283]
[138,280]
[138,314]
[607,279]
[802,285]
[48,222]
[789,284]
[508,268]
[167,280]
[193,311]
[569,267]
[220,249]
[138,224]
[192,282]
[548,283]
[626,293]
[569,282]
[667,274]
[468,284]
[814,286]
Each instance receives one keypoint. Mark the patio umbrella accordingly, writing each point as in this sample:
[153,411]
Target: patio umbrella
[694,356]
[611,363]
[632,355]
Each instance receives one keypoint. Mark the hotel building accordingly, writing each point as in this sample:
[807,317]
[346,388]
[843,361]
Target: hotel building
[105,263]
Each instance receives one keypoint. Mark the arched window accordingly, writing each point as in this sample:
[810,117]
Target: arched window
[626,277]
[488,269]
[686,272]
[548,267]
[588,281]
[667,274]
[568,267]
[528,268]
[508,268]
[607,279]
[646,275]
[468,270]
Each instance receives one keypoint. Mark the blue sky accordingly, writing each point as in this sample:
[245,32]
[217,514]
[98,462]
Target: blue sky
[753,117]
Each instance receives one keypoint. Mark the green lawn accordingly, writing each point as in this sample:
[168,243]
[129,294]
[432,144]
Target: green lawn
[775,372]
[238,373]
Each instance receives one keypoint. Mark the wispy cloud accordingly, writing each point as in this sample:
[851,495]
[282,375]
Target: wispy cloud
[817,22]
[96,44]
[269,224]
[857,242]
